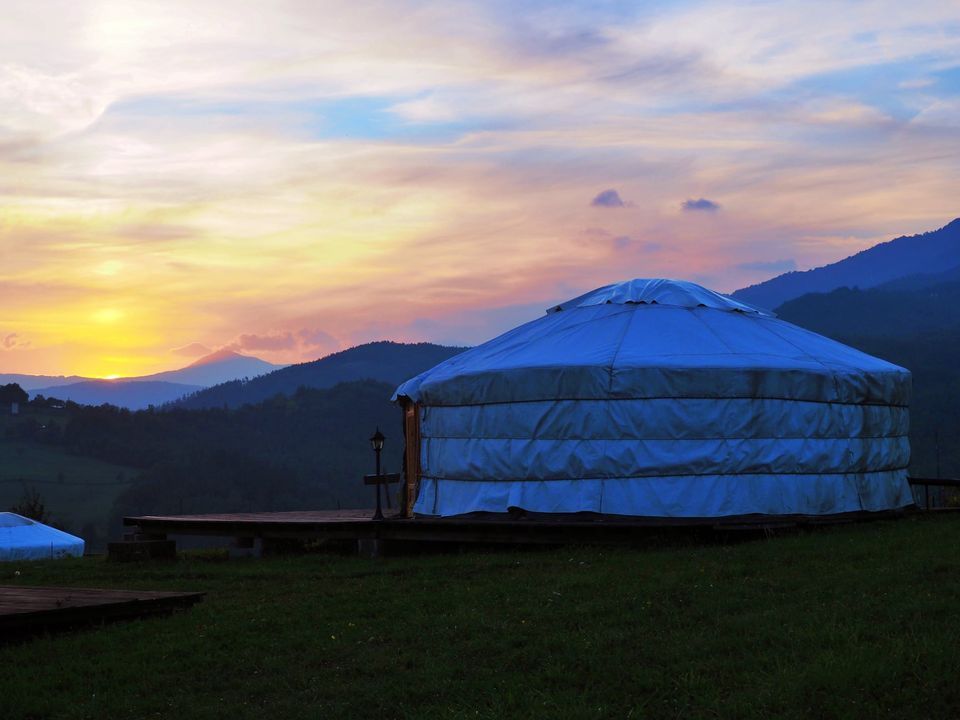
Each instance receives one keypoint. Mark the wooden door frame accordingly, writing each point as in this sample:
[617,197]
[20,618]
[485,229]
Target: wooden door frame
[411,454]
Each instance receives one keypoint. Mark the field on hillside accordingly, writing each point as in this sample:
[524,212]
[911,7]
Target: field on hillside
[858,621]
[78,491]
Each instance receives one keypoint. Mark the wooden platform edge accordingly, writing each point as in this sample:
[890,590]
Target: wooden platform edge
[581,529]
[146,604]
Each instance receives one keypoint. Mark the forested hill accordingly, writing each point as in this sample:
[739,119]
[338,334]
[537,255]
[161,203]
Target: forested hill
[308,450]
[914,323]
[903,308]
[928,253]
[385,362]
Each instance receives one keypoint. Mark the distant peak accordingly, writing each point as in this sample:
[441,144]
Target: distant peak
[218,356]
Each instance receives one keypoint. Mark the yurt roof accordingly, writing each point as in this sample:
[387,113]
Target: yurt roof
[658,338]
[24,539]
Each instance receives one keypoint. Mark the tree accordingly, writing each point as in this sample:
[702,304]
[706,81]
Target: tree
[31,505]
[13,393]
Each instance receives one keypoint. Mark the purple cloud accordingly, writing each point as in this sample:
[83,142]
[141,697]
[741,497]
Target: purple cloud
[608,199]
[701,204]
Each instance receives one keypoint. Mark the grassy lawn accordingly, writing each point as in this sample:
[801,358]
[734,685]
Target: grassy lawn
[859,621]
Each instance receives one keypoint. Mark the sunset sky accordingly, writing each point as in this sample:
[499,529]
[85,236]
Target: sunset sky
[293,178]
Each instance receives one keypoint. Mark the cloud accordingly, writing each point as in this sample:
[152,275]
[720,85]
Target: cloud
[609,199]
[13,341]
[288,345]
[192,350]
[156,231]
[426,110]
[272,342]
[769,266]
[701,204]
[316,338]
[916,83]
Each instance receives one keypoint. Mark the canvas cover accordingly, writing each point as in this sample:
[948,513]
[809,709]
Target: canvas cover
[662,398]
[25,539]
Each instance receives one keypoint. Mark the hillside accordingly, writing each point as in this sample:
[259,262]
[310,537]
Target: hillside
[912,324]
[385,361]
[79,492]
[308,450]
[927,253]
[902,308]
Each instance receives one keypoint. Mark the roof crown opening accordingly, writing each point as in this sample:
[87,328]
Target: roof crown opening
[657,291]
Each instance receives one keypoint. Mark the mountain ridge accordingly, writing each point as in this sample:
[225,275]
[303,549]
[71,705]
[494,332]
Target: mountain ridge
[924,253]
[383,361]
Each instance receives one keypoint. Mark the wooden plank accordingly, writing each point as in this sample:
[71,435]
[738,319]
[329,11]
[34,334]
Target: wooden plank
[28,608]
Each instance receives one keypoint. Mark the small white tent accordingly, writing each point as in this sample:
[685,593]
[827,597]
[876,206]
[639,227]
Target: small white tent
[25,539]
[658,398]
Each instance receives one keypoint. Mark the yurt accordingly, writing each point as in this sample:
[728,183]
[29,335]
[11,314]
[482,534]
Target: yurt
[657,398]
[25,539]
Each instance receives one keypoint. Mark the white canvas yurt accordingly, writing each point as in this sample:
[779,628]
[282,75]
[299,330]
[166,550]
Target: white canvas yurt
[25,539]
[658,398]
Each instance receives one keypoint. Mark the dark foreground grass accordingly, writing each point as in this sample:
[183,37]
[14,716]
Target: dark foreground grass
[859,621]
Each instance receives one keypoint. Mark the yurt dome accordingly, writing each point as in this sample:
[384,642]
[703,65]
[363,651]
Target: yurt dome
[658,398]
[25,539]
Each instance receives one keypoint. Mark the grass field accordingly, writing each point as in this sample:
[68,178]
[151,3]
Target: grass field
[858,621]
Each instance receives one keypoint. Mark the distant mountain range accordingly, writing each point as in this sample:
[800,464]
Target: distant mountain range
[32,382]
[132,394]
[138,393]
[385,361]
[929,253]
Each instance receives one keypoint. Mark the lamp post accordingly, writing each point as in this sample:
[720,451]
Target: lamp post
[376,442]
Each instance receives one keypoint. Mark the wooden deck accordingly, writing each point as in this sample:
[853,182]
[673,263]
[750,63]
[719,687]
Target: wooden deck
[26,609]
[477,528]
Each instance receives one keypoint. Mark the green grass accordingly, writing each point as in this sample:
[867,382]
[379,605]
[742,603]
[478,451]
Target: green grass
[858,621]
[85,496]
